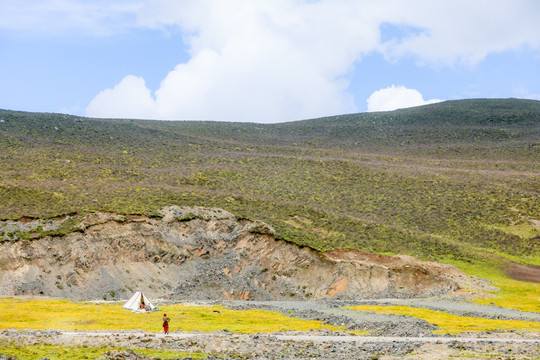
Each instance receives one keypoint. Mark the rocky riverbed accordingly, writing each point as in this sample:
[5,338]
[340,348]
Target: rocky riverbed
[291,345]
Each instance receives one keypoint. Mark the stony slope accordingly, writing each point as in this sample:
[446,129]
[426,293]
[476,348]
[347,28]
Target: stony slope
[197,253]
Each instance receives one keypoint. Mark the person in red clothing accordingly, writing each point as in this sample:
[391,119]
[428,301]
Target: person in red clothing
[166,324]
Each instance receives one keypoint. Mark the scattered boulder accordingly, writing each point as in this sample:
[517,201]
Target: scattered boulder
[124,355]
[3,357]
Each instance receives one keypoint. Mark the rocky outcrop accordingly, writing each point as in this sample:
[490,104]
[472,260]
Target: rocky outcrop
[197,253]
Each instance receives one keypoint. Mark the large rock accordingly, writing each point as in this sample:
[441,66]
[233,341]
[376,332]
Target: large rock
[123,355]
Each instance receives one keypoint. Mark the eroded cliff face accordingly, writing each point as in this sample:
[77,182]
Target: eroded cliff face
[197,253]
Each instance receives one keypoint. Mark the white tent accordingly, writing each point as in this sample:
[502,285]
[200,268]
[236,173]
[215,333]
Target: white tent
[139,303]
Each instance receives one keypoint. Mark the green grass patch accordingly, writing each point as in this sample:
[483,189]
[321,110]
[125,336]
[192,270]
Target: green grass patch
[59,352]
[449,323]
[524,229]
[518,295]
[513,294]
[67,315]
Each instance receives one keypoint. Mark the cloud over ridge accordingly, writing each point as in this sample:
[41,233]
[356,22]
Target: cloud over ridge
[281,60]
[396,97]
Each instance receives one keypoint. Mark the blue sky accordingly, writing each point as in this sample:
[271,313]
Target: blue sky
[262,60]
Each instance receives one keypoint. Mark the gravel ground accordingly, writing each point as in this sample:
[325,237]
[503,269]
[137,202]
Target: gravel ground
[287,345]
[333,313]
[459,308]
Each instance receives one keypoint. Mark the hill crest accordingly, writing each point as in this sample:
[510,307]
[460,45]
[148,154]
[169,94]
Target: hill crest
[451,181]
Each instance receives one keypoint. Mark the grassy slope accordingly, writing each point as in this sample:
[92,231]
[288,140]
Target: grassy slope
[446,181]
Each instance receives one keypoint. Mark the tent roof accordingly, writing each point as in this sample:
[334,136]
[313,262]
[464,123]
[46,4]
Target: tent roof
[134,303]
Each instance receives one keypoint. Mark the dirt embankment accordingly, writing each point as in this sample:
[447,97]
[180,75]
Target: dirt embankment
[197,253]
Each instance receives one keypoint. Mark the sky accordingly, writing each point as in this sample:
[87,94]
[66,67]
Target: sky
[262,61]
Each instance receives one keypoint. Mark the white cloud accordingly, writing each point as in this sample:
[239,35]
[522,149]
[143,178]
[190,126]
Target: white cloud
[264,61]
[278,60]
[463,32]
[68,18]
[521,91]
[129,99]
[392,98]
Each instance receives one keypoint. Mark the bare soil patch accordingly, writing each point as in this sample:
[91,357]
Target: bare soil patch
[529,273]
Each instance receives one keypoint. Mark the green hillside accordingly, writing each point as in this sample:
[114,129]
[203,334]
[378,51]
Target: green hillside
[457,180]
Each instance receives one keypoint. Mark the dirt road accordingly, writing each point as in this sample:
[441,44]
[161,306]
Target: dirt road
[73,335]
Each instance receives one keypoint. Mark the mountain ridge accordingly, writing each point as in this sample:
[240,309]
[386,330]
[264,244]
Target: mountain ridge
[390,182]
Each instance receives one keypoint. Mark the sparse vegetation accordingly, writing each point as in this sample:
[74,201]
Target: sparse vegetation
[57,352]
[449,181]
[187,217]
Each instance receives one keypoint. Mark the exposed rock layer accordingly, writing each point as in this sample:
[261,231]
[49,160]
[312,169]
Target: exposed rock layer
[196,253]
